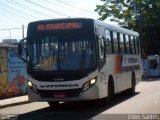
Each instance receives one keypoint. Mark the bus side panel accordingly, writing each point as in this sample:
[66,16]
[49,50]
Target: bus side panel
[104,74]
[121,68]
[138,76]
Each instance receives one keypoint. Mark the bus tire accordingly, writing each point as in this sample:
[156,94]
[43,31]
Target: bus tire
[110,89]
[107,100]
[53,105]
[131,91]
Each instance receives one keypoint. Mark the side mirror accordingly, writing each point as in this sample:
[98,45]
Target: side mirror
[22,49]
[19,49]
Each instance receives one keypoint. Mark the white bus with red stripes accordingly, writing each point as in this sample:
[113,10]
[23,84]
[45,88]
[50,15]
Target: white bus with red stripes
[78,59]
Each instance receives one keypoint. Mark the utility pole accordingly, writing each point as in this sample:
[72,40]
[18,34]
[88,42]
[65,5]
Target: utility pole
[22,31]
[139,22]
[135,9]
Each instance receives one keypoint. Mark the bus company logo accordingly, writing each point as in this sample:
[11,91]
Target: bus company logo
[132,60]
[59,85]
[129,60]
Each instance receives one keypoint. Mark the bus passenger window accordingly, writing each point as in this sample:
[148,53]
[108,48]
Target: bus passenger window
[137,44]
[115,42]
[121,41]
[131,45]
[101,48]
[135,47]
[108,41]
[127,44]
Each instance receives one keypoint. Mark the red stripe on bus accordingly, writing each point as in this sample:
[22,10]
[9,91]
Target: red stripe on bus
[117,64]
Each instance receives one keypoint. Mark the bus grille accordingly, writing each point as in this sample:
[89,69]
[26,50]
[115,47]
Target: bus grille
[52,93]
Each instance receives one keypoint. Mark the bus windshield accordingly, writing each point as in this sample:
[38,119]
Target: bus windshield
[59,52]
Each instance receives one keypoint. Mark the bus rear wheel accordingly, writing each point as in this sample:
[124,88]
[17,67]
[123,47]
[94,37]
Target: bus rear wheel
[110,90]
[131,91]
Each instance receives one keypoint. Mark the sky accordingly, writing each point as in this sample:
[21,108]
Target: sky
[15,13]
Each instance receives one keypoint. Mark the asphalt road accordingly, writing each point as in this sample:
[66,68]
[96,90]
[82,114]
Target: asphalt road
[145,101]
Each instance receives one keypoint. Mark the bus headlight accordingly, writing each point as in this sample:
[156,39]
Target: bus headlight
[88,84]
[92,81]
[30,84]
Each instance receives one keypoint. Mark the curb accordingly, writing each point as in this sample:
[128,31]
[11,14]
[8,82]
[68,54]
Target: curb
[14,101]
[14,104]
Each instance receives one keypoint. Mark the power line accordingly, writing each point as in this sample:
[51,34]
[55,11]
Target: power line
[52,3]
[27,8]
[11,29]
[45,8]
[18,10]
[66,3]
[64,6]
[10,12]
[87,12]
[11,18]
[12,32]
[19,6]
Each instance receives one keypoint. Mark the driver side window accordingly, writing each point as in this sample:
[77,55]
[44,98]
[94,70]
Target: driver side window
[101,47]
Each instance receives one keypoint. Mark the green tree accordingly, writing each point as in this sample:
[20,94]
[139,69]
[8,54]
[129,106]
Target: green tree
[139,15]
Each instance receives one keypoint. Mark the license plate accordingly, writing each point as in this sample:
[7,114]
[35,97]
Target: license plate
[59,95]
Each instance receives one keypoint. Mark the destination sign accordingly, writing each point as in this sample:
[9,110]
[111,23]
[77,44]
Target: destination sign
[59,26]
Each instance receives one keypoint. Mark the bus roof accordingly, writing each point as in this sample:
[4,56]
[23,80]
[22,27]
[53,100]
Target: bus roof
[96,23]
[115,28]
[59,19]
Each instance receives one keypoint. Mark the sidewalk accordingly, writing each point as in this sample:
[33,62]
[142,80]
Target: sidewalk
[14,101]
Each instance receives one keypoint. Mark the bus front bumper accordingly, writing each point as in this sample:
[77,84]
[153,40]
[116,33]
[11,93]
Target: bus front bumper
[46,95]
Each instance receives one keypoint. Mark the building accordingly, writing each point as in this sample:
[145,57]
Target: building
[9,43]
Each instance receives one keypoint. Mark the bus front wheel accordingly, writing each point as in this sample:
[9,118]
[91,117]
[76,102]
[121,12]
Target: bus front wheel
[108,99]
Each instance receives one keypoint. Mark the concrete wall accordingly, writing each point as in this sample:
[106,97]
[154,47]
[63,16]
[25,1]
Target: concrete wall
[12,73]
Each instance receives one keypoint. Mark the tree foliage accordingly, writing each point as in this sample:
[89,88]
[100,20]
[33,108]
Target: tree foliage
[139,15]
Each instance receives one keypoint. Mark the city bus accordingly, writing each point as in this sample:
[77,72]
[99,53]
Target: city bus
[79,59]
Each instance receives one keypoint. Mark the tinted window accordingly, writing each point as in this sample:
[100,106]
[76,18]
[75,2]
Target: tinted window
[132,50]
[127,46]
[137,45]
[108,41]
[115,42]
[101,48]
[56,52]
[121,41]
